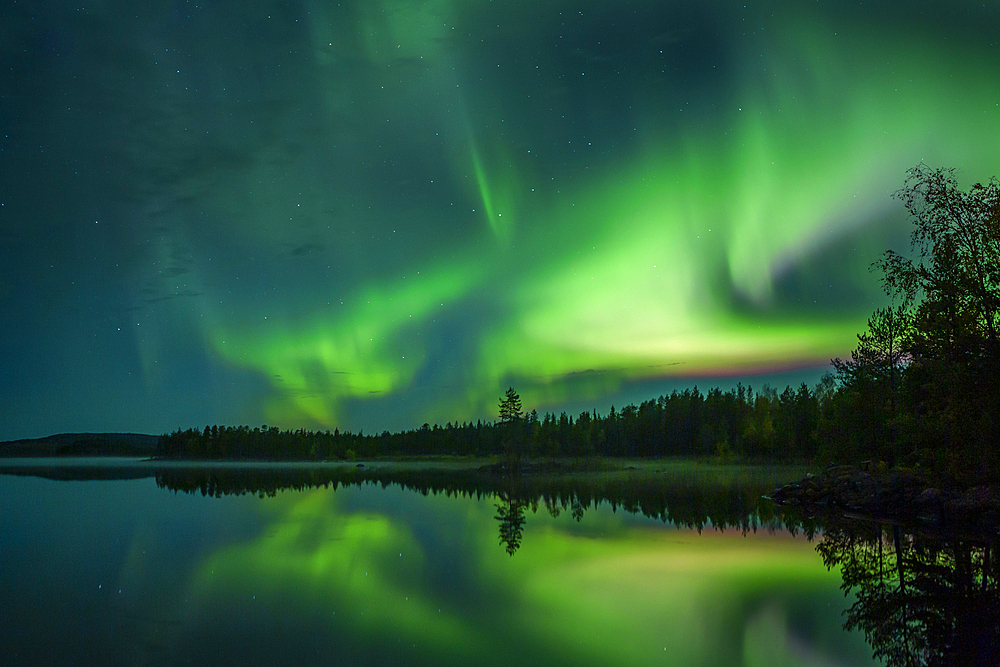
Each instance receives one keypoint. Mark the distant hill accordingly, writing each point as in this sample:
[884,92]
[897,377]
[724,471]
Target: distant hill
[82,444]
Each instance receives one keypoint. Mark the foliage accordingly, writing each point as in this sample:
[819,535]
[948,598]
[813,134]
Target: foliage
[510,406]
[957,239]
[871,382]
[926,372]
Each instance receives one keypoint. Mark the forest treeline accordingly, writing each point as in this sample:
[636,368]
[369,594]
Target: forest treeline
[741,423]
[921,389]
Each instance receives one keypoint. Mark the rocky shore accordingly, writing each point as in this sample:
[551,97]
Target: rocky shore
[898,496]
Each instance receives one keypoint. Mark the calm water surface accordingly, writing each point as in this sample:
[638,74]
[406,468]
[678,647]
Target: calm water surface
[125,572]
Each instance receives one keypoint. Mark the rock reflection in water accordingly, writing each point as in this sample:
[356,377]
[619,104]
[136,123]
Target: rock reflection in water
[920,599]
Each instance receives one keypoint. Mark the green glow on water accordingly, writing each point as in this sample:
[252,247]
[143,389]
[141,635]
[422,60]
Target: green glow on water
[382,576]
[350,563]
[598,592]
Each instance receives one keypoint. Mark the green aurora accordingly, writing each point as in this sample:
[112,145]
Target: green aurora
[375,214]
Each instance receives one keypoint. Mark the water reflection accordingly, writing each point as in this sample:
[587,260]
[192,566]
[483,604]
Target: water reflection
[685,497]
[510,514]
[403,567]
[920,599]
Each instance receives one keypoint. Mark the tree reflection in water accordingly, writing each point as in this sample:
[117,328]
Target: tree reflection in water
[717,501]
[510,514]
[921,600]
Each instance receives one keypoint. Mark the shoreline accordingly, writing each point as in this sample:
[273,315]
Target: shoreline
[895,496]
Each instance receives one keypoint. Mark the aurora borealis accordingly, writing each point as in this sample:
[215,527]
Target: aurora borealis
[372,214]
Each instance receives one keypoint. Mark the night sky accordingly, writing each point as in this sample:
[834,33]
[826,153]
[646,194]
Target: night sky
[372,214]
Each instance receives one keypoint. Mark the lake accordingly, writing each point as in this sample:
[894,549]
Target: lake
[336,565]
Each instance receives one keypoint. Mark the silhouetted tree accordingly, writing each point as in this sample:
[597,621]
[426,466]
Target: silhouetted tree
[873,377]
[951,381]
[510,425]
